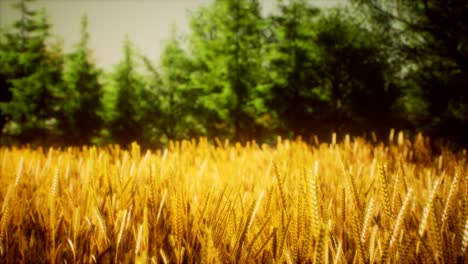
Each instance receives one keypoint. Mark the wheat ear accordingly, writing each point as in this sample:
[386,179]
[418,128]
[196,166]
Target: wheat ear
[138,239]
[119,236]
[384,188]
[208,251]
[19,172]
[400,218]
[320,246]
[367,217]
[464,243]
[280,186]
[350,184]
[5,219]
[427,209]
[450,197]
[257,235]
[102,241]
[359,256]
[315,207]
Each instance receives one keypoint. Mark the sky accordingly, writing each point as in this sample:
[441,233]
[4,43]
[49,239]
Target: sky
[148,23]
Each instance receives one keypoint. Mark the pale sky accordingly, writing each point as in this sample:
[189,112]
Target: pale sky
[148,23]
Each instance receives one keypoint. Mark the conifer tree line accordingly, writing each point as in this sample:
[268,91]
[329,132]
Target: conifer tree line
[239,74]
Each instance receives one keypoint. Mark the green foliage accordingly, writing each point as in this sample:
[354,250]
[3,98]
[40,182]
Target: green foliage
[431,38]
[327,71]
[226,45]
[178,98]
[127,112]
[294,95]
[80,121]
[353,67]
[299,71]
[31,77]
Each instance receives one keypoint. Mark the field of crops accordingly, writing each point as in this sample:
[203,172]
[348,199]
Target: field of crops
[197,202]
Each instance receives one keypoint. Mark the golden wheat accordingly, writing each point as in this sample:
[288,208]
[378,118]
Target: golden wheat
[5,219]
[400,218]
[198,202]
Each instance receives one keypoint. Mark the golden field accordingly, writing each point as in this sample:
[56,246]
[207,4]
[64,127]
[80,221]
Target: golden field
[196,202]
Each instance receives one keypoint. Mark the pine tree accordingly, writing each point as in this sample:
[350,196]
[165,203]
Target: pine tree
[179,111]
[152,108]
[429,38]
[355,71]
[226,44]
[294,96]
[5,93]
[126,122]
[32,73]
[81,119]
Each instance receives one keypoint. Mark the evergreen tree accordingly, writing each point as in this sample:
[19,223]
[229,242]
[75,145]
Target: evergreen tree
[226,45]
[294,95]
[126,121]
[179,110]
[355,71]
[81,120]
[30,77]
[5,93]
[431,38]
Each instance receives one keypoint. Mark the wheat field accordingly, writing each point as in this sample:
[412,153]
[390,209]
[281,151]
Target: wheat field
[198,202]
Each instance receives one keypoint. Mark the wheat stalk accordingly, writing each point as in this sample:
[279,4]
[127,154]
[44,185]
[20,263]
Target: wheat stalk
[19,172]
[248,224]
[119,236]
[359,256]
[75,223]
[365,222]
[217,212]
[5,219]
[372,249]
[255,238]
[163,256]
[52,212]
[338,254]
[427,209]
[102,238]
[350,184]
[138,239]
[280,187]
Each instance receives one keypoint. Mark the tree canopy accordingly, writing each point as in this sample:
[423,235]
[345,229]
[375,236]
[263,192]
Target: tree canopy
[431,39]
[81,118]
[242,74]
[30,72]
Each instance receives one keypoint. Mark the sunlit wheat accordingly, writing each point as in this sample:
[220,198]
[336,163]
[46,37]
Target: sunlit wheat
[201,202]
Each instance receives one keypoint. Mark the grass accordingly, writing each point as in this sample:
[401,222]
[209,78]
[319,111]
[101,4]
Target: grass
[195,202]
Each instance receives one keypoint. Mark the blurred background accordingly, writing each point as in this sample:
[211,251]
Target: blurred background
[80,72]
[148,23]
